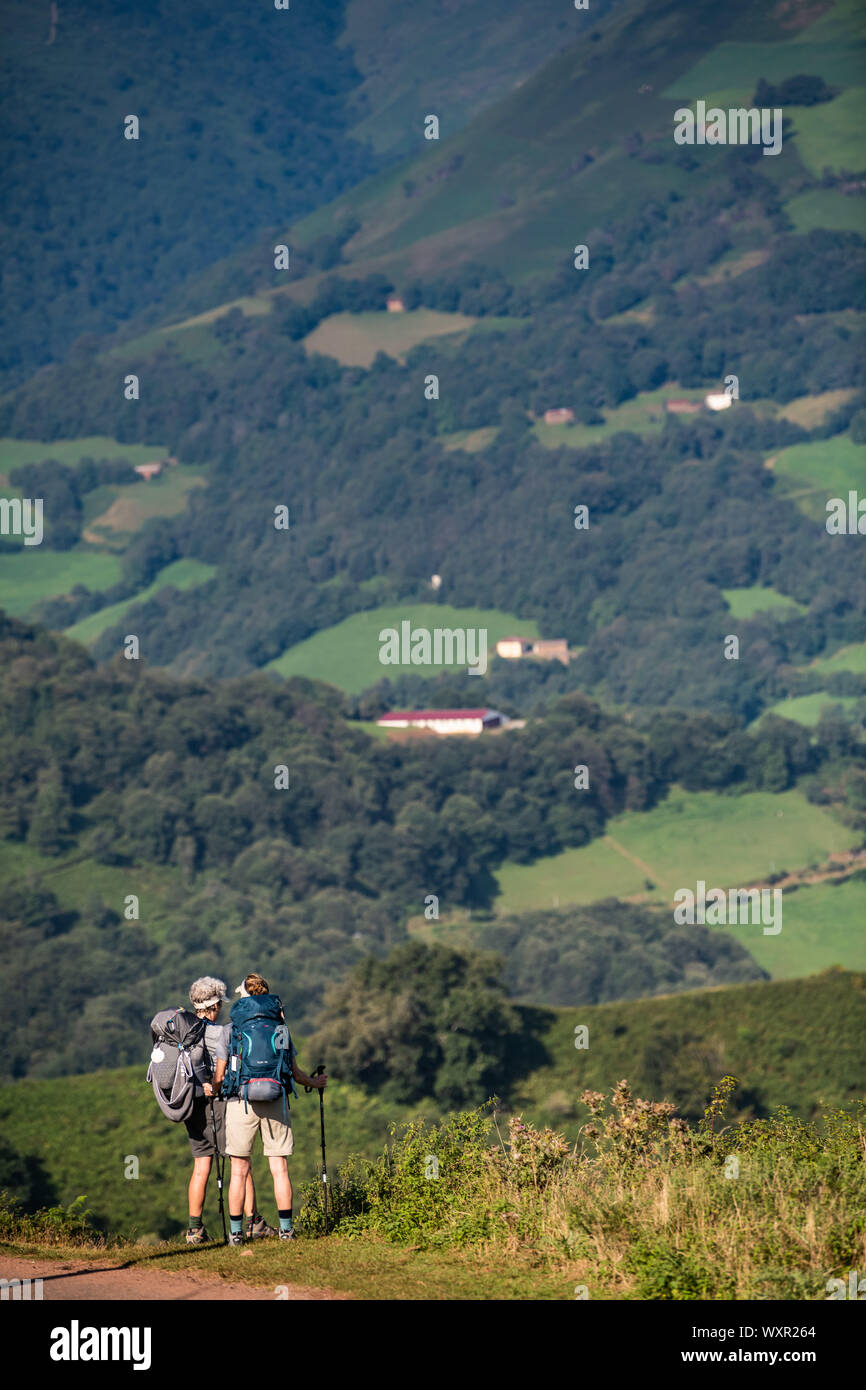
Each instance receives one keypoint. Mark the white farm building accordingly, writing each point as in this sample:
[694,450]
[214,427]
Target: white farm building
[443,721]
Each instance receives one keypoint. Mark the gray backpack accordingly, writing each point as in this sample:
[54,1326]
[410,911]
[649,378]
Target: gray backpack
[179,1056]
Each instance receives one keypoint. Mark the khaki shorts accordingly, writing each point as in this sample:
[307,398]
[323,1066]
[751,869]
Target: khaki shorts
[244,1120]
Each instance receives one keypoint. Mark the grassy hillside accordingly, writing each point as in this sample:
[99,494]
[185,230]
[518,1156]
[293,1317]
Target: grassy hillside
[642,60]
[726,841]
[450,59]
[692,272]
[794,1044]
[822,926]
[270,117]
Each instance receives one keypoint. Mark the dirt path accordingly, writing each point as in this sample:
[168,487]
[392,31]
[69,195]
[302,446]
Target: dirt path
[68,1280]
[633,859]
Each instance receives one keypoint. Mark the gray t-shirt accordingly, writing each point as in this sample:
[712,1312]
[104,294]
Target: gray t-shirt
[216,1041]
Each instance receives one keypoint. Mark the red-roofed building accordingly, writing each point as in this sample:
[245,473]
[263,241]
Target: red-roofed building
[443,721]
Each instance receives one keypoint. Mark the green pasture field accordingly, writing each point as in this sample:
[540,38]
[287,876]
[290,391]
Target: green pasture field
[834,47]
[644,414]
[728,841]
[827,209]
[125,509]
[192,339]
[355,339]
[806,709]
[347,654]
[745,603]
[822,926]
[14,452]
[830,135]
[36,573]
[814,472]
[810,411]
[181,574]
[850,658]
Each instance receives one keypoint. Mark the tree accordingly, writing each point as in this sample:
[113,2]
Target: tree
[52,818]
[428,1021]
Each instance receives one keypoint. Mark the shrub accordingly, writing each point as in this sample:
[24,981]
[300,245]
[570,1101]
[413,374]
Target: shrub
[51,1226]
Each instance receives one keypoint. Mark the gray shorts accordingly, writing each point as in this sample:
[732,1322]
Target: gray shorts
[202,1140]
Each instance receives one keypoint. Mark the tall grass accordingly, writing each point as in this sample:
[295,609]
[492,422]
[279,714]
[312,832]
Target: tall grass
[642,1206]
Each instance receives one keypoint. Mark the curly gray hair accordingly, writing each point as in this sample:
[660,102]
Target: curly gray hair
[206,991]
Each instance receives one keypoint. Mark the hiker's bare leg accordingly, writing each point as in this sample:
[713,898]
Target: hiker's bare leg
[198,1185]
[250,1195]
[238,1184]
[282,1183]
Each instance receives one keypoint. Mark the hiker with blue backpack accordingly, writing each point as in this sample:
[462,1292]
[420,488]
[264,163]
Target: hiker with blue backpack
[262,1068]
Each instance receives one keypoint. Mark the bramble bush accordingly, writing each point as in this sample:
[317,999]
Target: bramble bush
[642,1206]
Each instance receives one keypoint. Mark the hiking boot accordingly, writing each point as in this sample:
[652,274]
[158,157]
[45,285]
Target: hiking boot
[258,1228]
[287,1235]
[197,1235]
[235,1238]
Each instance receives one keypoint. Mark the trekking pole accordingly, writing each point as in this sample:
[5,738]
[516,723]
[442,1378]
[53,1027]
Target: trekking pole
[220,1170]
[318,1072]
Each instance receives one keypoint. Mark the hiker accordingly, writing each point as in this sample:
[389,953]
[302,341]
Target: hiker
[263,1067]
[208,1114]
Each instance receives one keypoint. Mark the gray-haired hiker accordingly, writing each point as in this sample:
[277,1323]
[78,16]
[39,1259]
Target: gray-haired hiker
[206,1123]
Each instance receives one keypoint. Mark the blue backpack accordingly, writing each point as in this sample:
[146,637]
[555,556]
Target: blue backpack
[260,1052]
